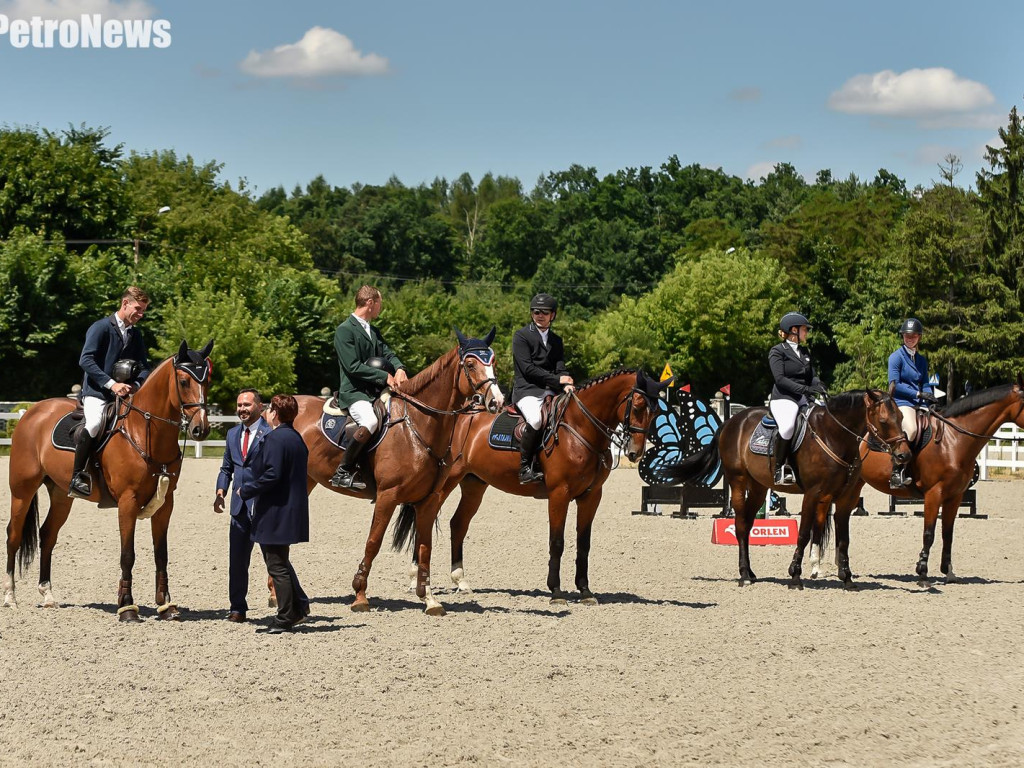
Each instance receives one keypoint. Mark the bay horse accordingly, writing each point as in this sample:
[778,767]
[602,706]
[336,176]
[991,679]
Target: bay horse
[139,470]
[827,464]
[943,468]
[410,462]
[575,459]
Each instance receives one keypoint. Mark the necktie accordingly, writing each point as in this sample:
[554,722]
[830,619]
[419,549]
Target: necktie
[245,443]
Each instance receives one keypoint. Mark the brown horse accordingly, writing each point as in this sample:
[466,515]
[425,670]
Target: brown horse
[827,465]
[942,469]
[412,459]
[139,471]
[576,461]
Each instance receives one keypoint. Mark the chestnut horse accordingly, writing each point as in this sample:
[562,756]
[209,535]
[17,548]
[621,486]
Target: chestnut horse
[411,461]
[942,469]
[576,461]
[827,465]
[139,465]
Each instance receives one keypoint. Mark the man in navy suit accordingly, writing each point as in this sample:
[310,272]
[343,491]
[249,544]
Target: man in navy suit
[243,441]
[280,509]
[108,340]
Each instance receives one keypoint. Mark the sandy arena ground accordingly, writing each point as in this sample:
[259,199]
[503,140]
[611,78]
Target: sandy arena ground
[676,666]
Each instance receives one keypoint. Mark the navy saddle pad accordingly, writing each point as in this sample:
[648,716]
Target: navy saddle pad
[764,434]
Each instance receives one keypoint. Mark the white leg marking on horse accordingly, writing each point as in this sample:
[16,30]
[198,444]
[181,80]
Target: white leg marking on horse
[412,577]
[459,580]
[9,601]
[158,498]
[45,590]
[815,560]
[434,608]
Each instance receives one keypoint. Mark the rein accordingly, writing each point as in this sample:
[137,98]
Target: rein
[609,434]
[964,431]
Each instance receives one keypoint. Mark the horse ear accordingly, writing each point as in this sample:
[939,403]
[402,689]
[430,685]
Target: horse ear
[875,395]
[1020,380]
[459,336]
[182,351]
[205,352]
[490,336]
[666,383]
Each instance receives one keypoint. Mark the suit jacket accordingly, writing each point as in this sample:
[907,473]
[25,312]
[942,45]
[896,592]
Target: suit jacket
[233,472]
[910,375]
[359,381]
[280,512]
[792,371]
[537,367]
[103,347]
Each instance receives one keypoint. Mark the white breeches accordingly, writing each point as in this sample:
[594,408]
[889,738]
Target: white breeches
[529,406]
[93,407]
[909,422]
[785,412]
[363,415]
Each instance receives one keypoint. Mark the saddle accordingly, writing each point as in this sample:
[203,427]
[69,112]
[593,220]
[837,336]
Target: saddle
[762,440]
[507,428]
[65,432]
[338,427]
[925,430]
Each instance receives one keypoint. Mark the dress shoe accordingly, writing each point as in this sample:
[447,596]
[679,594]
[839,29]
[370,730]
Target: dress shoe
[236,616]
[278,629]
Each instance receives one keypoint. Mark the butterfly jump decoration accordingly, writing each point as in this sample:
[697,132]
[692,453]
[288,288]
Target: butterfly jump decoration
[678,430]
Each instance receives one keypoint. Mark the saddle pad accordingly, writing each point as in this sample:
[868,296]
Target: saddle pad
[64,432]
[762,438]
[333,428]
[502,436]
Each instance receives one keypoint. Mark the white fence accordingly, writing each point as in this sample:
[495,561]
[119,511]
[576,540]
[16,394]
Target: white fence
[211,447]
[1004,450]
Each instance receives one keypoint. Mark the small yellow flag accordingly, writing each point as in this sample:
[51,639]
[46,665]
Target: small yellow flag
[667,374]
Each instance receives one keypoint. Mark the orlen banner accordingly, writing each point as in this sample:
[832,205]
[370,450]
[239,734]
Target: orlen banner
[764,532]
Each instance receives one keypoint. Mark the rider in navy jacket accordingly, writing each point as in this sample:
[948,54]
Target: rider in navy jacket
[908,382]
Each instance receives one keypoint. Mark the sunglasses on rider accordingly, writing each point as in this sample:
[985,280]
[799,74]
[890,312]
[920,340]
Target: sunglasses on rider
[544,312]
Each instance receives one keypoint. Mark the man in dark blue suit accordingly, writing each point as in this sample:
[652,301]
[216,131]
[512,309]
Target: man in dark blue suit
[107,341]
[242,441]
[280,508]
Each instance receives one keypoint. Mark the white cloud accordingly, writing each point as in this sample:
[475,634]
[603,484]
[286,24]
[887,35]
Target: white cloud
[320,52]
[758,171]
[784,142]
[73,9]
[914,93]
[745,94]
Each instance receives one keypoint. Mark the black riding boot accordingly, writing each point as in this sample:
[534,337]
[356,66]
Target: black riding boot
[347,474]
[528,448]
[783,472]
[81,480]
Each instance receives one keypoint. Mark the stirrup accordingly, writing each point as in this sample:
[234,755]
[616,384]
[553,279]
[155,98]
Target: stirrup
[344,478]
[784,475]
[81,485]
[529,474]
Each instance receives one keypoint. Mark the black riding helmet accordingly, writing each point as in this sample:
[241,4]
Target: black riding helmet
[382,364]
[544,301]
[125,371]
[791,320]
[911,325]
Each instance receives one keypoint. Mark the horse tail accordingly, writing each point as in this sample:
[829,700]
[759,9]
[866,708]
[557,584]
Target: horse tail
[825,533]
[29,536]
[697,467]
[404,528]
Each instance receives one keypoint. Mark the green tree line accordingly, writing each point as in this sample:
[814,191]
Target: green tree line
[678,264]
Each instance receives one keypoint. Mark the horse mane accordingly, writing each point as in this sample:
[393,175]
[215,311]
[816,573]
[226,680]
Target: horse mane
[429,375]
[977,400]
[845,401]
[604,377]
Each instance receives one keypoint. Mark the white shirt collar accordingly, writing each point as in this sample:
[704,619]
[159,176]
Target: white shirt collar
[910,351]
[364,323]
[121,326]
[792,345]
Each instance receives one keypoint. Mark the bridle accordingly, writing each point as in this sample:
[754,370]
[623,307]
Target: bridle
[888,446]
[201,374]
[618,435]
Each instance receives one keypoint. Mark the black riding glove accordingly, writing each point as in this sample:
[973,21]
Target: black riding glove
[927,397]
[817,389]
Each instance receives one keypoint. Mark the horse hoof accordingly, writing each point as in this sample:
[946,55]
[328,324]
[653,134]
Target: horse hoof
[952,579]
[129,616]
[559,601]
[745,582]
[589,600]
[170,614]
[435,610]
[924,584]
[464,589]
[51,603]
[360,606]
[796,585]
[849,586]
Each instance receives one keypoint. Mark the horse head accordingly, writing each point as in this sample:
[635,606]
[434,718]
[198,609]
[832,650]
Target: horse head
[883,419]
[192,372]
[639,411]
[476,360]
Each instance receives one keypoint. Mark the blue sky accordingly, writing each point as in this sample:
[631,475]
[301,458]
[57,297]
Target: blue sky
[359,92]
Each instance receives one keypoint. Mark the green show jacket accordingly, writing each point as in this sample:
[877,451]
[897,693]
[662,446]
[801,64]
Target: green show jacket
[359,381]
